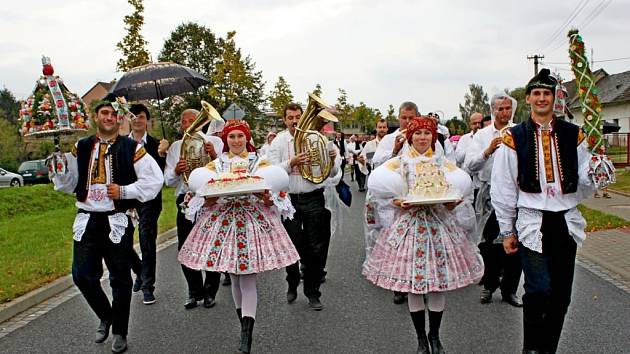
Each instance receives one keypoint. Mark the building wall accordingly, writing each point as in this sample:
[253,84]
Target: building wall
[609,114]
[97,93]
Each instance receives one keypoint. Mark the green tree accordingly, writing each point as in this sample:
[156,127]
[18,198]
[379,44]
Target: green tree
[10,144]
[391,114]
[365,117]
[9,106]
[196,47]
[474,101]
[236,80]
[344,108]
[280,96]
[456,126]
[522,108]
[133,45]
[318,90]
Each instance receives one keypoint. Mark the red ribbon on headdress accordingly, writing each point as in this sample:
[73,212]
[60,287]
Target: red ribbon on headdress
[422,122]
[241,125]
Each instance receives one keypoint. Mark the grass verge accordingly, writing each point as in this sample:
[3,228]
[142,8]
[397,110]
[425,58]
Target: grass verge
[623,181]
[597,220]
[36,236]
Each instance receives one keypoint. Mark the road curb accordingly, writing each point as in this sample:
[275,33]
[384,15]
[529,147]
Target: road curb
[49,290]
[619,192]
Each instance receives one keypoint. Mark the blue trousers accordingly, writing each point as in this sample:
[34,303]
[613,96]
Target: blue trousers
[548,284]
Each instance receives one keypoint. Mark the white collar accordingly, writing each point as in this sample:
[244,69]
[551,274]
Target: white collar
[144,137]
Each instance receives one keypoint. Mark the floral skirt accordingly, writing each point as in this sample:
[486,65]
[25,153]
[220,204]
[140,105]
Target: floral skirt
[423,251]
[240,236]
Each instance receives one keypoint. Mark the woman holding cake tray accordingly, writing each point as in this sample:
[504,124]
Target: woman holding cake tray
[425,252]
[239,232]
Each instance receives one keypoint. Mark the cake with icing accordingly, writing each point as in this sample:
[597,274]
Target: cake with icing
[229,183]
[430,182]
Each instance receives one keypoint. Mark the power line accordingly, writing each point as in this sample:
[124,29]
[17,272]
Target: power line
[596,61]
[576,11]
[597,12]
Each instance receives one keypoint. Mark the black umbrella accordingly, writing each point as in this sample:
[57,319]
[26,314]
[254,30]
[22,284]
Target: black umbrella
[610,127]
[157,81]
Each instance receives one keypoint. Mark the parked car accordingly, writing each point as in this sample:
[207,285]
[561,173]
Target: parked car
[10,179]
[34,171]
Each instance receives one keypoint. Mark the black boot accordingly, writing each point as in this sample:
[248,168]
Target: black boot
[418,322]
[435,320]
[247,328]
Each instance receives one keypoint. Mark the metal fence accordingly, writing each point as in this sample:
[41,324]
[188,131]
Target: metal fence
[618,149]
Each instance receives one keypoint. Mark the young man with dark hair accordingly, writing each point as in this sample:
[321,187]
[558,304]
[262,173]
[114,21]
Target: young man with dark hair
[540,175]
[310,227]
[109,174]
[149,211]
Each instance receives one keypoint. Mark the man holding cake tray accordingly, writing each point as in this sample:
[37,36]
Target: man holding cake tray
[198,289]
[480,160]
[425,251]
[310,228]
[239,228]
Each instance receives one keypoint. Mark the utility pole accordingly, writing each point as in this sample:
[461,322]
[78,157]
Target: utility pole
[535,57]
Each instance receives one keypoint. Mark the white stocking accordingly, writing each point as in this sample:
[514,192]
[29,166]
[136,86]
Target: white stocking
[236,290]
[249,301]
[436,302]
[415,302]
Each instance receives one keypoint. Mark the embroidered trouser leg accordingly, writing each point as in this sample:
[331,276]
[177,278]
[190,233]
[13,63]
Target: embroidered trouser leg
[197,287]
[548,283]
[87,270]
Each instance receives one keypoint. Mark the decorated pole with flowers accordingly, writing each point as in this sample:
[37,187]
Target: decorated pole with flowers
[602,170]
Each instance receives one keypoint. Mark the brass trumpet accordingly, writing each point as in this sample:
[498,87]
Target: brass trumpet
[308,139]
[192,149]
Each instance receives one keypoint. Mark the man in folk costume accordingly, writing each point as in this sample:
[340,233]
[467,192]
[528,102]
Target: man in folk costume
[355,148]
[198,288]
[310,227]
[464,144]
[148,212]
[368,151]
[541,173]
[480,160]
[109,174]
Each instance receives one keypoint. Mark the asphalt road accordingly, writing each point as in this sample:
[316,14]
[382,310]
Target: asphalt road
[357,318]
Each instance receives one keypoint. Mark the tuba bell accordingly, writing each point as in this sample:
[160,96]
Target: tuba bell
[308,139]
[192,149]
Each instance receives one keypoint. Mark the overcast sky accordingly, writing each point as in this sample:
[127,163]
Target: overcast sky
[380,52]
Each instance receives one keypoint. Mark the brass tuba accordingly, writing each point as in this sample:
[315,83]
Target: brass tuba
[308,139]
[192,149]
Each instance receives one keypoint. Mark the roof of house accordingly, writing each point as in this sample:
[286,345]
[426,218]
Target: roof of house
[105,85]
[613,88]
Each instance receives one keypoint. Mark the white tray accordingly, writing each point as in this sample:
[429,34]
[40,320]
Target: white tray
[232,192]
[424,201]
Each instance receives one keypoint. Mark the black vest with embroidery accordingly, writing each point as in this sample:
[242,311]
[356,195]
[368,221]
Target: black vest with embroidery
[565,136]
[122,154]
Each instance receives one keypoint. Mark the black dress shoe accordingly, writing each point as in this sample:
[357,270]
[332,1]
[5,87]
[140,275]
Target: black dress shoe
[513,300]
[102,332]
[291,295]
[191,303]
[486,296]
[119,344]
[399,298]
[208,302]
[530,351]
[137,285]
[315,304]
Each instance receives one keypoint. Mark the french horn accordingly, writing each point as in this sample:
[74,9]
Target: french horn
[308,139]
[192,150]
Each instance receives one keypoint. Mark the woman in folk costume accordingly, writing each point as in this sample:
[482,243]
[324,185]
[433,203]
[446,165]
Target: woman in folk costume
[425,252]
[241,234]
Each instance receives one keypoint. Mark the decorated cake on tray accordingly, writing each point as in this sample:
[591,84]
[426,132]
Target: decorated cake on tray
[52,109]
[230,183]
[431,186]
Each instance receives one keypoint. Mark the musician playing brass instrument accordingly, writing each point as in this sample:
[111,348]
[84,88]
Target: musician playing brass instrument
[308,169]
[174,176]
